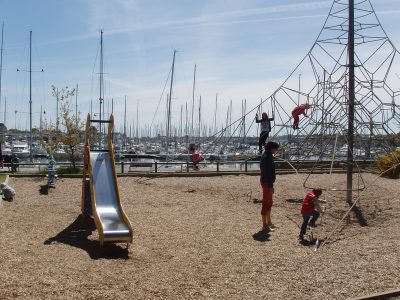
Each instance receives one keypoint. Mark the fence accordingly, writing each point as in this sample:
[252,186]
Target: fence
[245,166]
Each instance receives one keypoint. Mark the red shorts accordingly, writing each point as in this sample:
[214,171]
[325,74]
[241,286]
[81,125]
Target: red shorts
[267,198]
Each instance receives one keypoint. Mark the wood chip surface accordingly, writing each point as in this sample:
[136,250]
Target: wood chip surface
[198,238]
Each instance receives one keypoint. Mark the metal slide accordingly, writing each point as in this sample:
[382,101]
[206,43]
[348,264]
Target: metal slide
[111,221]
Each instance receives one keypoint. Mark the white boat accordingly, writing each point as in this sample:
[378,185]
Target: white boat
[152,149]
[6,149]
[20,150]
[38,150]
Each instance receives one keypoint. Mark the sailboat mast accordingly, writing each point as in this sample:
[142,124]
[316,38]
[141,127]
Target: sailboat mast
[125,123]
[199,119]
[40,122]
[101,99]
[76,106]
[230,118]
[194,87]
[186,119]
[180,123]
[169,102]
[30,96]
[215,113]
[5,110]
[137,121]
[1,61]
[244,120]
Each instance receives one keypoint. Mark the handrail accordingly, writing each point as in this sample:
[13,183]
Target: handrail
[245,166]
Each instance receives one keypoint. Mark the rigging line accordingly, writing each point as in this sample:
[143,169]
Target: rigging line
[248,130]
[159,101]
[93,72]
[215,139]
[230,138]
[380,25]
[214,145]
[297,91]
[332,161]
[373,53]
[297,173]
[303,59]
[354,203]
[389,67]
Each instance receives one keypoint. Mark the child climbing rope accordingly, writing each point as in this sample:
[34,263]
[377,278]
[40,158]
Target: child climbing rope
[310,209]
[265,129]
[297,111]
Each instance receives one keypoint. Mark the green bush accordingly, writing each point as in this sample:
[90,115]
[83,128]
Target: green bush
[390,162]
[69,170]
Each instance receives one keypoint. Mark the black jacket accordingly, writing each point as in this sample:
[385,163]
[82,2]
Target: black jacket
[267,167]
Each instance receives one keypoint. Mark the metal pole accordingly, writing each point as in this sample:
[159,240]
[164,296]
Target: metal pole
[125,123]
[1,63]
[194,87]
[215,113]
[5,110]
[30,96]
[57,120]
[40,125]
[169,101]
[350,130]
[137,121]
[101,84]
[76,106]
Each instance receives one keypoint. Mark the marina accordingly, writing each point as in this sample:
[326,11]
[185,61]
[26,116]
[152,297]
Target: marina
[199,149]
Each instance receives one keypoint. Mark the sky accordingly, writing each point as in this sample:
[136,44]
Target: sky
[242,49]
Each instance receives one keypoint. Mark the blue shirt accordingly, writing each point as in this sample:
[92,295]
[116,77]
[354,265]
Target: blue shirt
[267,167]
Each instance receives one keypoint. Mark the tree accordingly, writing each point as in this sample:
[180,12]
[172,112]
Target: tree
[69,130]
[48,138]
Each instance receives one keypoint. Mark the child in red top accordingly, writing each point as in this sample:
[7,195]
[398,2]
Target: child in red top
[297,111]
[196,157]
[310,209]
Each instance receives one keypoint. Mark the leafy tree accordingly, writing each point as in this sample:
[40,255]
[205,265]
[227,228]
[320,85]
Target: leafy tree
[48,138]
[70,128]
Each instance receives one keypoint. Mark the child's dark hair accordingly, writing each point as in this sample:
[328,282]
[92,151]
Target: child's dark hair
[271,145]
[317,192]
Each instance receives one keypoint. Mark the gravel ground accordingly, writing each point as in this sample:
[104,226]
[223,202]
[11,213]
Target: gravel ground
[198,238]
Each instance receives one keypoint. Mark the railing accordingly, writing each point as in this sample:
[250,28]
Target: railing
[245,166]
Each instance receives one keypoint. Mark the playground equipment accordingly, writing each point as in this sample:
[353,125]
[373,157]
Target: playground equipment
[51,173]
[349,80]
[100,195]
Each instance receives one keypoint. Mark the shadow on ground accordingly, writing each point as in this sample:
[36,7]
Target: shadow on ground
[44,190]
[296,201]
[359,214]
[262,236]
[76,235]
[312,242]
